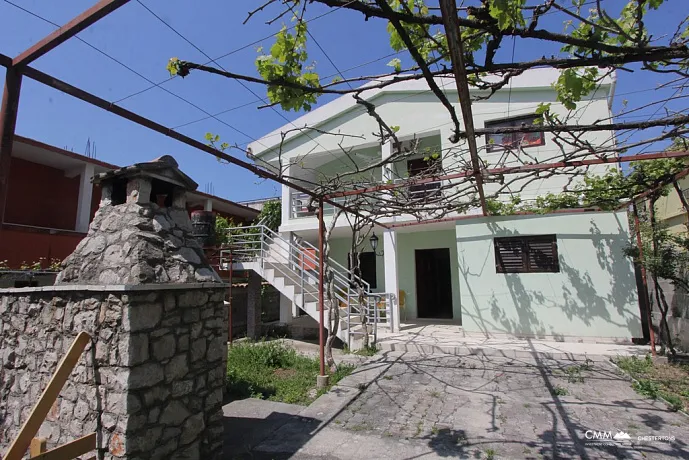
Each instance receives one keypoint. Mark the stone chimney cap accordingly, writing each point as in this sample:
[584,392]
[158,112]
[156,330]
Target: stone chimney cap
[163,168]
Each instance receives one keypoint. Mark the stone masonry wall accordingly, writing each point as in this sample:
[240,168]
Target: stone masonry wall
[151,384]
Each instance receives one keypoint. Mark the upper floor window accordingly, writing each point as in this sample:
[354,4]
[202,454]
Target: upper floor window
[425,169]
[513,140]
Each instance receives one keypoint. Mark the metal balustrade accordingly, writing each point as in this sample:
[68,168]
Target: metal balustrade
[298,263]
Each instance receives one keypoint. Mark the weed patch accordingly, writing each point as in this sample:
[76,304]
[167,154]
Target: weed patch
[559,391]
[654,379]
[274,371]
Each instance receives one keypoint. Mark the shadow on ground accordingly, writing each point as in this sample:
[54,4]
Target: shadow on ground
[243,434]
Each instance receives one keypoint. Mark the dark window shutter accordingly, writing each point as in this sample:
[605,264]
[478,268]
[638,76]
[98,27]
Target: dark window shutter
[526,254]
[543,254]
[509,255]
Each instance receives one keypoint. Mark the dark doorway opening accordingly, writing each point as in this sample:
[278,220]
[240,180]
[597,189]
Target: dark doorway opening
[433,283]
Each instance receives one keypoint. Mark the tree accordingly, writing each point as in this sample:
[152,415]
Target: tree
[270,215]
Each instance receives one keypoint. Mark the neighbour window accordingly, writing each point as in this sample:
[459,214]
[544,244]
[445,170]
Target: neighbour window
[526,254]
[426,169]
[512,140]
[367,265]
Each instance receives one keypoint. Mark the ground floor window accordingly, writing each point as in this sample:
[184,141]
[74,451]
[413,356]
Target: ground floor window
[526,254]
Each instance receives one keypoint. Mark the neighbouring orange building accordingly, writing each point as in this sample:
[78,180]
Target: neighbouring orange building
[51,201]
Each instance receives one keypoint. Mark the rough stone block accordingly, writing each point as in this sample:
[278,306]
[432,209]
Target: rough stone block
[164,347]
[174,414]
[198,349]
[177,368]
[141,317]
[156,395]
[145,376]
[182,388]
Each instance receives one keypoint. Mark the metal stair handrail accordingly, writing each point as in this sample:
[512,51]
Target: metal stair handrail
[299,262]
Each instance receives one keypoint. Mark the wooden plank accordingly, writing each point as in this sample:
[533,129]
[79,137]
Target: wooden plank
[45,402]
[70,450]
[37,447]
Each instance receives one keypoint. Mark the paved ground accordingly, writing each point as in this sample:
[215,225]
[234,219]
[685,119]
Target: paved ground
[443,406]
[452,339]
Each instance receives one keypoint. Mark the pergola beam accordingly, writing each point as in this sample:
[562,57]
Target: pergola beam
[64,33]
[517,170]
[651,191]
[454,44]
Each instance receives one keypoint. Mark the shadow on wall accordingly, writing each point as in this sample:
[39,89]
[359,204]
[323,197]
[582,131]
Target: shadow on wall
[575,293]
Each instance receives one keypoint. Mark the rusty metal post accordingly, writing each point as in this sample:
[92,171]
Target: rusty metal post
[321,287]
[8,121]
[229,293]
[644,282]
[448,9]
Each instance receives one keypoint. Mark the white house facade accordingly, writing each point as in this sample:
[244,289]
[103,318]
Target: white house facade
[560,275]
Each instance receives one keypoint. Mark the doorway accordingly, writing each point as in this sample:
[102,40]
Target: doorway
[433,283]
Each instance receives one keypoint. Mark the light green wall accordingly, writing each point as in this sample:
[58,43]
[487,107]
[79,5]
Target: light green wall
[339,248]
[593,295]
[407,243]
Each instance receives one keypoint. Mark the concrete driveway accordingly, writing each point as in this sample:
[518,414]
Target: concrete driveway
[444,406]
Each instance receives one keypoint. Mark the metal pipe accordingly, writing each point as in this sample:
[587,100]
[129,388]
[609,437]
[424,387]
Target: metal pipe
[92,99]
[321,279]
[64,33]
[229,289]
[8,122]
[644,282]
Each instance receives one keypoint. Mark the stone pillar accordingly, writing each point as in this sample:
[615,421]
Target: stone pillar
[85,196]
[391,280]
[253,306]
[150,384]
[208,205]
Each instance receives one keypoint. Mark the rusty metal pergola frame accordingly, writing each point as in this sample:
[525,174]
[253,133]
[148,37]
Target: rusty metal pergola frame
[19,67]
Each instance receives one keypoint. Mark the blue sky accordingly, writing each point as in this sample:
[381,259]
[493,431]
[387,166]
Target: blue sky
[136,38]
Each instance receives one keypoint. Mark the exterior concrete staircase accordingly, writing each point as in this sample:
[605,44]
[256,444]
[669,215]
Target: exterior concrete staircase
[292,268]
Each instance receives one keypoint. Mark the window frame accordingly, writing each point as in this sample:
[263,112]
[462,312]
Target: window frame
[525,242]
[434,167]
[502,123]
